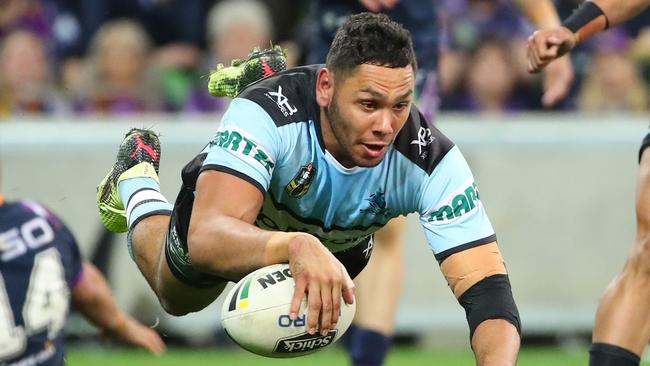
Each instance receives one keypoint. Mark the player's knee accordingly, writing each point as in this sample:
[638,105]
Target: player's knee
[640,259]
[173,306]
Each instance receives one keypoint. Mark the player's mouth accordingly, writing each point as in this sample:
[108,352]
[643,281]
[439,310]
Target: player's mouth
[375,150]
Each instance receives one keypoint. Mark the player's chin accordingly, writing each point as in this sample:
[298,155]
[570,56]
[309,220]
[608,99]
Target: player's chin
[369,156]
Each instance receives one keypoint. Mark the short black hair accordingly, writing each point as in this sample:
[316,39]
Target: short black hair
[369,38]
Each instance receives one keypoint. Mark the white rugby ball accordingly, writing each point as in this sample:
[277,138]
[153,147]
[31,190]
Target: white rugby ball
[255,314]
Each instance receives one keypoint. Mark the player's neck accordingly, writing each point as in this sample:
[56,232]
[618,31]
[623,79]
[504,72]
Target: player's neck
[2,200]
[332,144]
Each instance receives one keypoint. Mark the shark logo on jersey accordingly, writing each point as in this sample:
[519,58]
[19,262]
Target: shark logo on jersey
[300,184]
[377,204]
[282,101]
[424,139]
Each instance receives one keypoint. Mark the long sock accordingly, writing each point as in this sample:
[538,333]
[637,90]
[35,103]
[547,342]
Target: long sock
[603,354]
[141,198]
[367,347]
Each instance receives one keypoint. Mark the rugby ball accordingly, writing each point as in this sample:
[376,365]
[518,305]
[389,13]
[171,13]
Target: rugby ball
[255,314]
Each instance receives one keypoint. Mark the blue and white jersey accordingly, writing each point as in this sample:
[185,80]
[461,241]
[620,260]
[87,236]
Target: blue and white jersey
[270,136]
[39,265]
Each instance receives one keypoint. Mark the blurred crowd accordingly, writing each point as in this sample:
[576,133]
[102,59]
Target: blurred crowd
[115,57]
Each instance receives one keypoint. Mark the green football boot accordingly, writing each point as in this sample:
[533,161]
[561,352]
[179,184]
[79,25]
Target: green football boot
[230,81]
[138,156]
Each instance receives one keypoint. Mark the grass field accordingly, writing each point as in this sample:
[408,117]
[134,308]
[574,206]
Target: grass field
[400,356]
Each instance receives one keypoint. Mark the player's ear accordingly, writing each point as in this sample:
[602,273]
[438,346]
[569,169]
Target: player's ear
[324,87]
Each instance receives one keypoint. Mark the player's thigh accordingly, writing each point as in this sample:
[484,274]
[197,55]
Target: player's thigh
[391,236]
[180,287]
[179,298]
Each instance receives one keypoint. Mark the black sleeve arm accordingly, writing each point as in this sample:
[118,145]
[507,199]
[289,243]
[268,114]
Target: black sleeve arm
[490,298]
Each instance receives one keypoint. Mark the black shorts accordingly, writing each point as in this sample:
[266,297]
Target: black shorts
[354,259]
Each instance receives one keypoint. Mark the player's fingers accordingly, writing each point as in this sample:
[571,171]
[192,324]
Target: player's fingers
[549,53]
[531,64]
[326,309]
[154,344]
[532,52]
[347,287]
[336,301]
[314,306]
[157,344]
[298,294]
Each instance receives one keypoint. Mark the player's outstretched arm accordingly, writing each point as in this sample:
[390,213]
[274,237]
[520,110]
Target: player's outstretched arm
[589,19]
[92,297]
[223,240]
[558,75]
[478,278]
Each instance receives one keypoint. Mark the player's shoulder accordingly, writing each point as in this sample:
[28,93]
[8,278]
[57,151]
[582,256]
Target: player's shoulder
[421,142]
[36,216]
[288,96]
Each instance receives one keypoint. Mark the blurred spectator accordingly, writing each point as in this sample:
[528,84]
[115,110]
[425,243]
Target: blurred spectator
[234,28]
[26,83]
[490,81]
[175,27]
[470,22]
[117,76]
[33,15]
[483,64]
[613,82]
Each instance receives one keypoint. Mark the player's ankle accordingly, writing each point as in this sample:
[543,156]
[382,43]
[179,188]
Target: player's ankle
[368,347]
[604,354]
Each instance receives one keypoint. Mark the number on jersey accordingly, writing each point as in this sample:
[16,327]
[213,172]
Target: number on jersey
[47,298]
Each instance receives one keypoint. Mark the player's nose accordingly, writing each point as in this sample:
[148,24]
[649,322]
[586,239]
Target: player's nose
[384,123]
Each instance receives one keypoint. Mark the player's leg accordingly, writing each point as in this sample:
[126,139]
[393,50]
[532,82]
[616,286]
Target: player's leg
[129,198]
[377,294]
[622,327]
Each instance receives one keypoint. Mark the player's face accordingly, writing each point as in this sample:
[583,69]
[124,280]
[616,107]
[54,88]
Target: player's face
[366,111]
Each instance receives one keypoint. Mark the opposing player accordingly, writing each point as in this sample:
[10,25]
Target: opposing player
[41,271]
[306,165]
[622,327]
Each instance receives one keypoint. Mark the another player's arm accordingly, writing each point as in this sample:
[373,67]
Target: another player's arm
[223,240]
[558,76]
[589,19]
[92,297]
[479,280]
[541,13]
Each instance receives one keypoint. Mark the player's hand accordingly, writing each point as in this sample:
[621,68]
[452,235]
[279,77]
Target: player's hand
[131,331]
[558,77]
[547,45]
[378,5]
[318,274]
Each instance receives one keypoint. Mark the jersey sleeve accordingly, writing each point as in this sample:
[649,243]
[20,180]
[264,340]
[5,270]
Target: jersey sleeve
[247,144]
[451,211]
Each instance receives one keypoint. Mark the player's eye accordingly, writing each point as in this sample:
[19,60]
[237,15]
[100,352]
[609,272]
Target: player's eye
[400,106]
[368,105]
